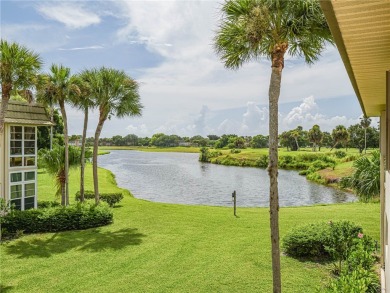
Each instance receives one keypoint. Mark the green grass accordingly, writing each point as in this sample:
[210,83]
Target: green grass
[155,247]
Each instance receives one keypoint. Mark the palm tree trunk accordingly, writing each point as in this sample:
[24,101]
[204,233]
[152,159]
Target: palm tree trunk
[64,118]
[94,159]
[82,166]
[274,93]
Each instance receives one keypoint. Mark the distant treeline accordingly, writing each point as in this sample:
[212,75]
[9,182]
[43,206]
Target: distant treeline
[355,136]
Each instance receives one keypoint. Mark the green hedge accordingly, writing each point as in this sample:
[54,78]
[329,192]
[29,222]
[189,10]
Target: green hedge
[111,198]
[74,217]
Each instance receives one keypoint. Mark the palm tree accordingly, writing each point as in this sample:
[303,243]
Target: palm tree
[340,135]
[295,135]
[366,178]
[18,70]
[115,94]
[250,29]
[315,136]
[84,102]
[365,122]
[54,162]
[60,87]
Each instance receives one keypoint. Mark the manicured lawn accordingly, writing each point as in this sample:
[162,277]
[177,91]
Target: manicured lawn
[155,247]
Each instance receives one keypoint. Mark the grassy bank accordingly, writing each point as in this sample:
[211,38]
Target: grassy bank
[155,247]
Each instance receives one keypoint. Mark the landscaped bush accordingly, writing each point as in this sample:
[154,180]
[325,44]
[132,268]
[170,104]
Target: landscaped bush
[307,241]
[343,242]
[44,204]
[321,239]
[73,217]
[340,154]
[111,198]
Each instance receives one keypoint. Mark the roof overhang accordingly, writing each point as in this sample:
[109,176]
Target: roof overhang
[27,114]
[361,30]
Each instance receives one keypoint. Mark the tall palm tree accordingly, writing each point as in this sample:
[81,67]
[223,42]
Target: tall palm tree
[60,87]
[54,162]
[340,135]
[250,29]
[115,94]
[315,136]
[19,68]
[84,102]
[365,122]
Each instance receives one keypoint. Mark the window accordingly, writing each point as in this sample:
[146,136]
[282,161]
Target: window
[23,189]
[22,146]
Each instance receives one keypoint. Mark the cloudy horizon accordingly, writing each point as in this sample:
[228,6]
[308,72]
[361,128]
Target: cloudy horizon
[185,89]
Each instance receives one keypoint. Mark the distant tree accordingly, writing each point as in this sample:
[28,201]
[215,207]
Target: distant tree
[259,141]
[117,140]
[239,142]
[213,137]
[356,137]
[144,141]
[327,140]
[365,122]
[199,140]
[340,136]
[315,136]
[295,134]
[19,69]
[131,140]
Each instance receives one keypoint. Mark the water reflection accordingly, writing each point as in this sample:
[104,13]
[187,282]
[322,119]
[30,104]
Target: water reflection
[180,178]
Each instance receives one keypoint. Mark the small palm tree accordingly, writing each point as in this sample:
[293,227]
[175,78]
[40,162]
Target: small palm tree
[340,135]
[115,94]
[60,87]
[315,136]
[365,122]
[54,162]
[18,71]
[366,178]
[251,29]
[295,134]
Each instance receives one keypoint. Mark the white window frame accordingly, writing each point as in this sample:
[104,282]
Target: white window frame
[23,155]
[23,182]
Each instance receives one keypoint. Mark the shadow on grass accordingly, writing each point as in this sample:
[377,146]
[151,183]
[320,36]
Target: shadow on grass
[90,241]
[4,289]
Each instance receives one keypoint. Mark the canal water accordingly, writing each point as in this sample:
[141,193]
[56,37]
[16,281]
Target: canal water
[181,178]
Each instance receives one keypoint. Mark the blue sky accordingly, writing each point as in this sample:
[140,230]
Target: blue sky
[167,47]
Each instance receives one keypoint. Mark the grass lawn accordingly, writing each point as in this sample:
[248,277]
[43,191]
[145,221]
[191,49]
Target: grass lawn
[155,247]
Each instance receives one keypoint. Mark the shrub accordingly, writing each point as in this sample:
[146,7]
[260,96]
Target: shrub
[53,219]
[333,239]
[235,151]
[110,198]
[357,281]
[44,204]
[307,241]
[340,154]
[262,161]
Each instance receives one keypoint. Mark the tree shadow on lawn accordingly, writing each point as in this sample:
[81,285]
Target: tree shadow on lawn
[4,288]
[93,240]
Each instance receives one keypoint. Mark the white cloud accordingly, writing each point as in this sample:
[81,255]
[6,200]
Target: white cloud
[95,47]
[72,15]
